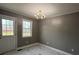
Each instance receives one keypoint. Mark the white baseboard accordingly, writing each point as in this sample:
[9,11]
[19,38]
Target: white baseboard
[45,46]
[55,49]
[21,47]
[27,46]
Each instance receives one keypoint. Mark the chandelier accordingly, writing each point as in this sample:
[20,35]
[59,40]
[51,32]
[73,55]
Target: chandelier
[39,14]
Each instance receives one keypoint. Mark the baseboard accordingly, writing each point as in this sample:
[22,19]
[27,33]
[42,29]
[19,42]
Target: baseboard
[55,49]
[27,46]
[45,46]
[20,48]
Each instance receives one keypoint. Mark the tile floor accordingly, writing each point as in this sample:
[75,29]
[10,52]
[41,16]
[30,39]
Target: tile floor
[35,50]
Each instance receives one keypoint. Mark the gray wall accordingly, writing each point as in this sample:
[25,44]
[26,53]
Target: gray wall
[63,35]
[12,42]
[27,40]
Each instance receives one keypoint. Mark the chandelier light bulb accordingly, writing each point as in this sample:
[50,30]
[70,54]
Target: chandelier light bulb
[39,14]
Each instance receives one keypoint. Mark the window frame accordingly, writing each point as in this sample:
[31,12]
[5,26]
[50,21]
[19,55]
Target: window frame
[31,24]
[7,18]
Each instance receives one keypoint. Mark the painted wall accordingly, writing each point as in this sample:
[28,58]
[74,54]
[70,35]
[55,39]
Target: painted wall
[27,40]
[61,32]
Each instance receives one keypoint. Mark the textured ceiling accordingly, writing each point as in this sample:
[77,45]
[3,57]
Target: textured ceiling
[49,9]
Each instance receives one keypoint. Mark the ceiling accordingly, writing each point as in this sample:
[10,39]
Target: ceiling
[49,9]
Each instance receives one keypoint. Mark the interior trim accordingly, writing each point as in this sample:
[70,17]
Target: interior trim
[55,49]
[45,46]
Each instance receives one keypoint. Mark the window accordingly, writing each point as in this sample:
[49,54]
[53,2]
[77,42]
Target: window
[7,27]
[27,28]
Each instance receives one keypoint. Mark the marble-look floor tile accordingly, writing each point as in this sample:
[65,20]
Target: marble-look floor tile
[35,50]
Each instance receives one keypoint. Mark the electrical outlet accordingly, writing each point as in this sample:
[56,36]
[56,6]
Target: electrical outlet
[72,50]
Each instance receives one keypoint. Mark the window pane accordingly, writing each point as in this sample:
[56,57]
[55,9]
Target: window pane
[8,22]
[28,24]
[24,30]
[4,32]
[11,22]
[3,21]
[27,30]
[4,27]
[24,25]
[8,32]
[7,27]
[24,34]
[11,33]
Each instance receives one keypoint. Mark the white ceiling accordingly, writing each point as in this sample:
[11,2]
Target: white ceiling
[49,9]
